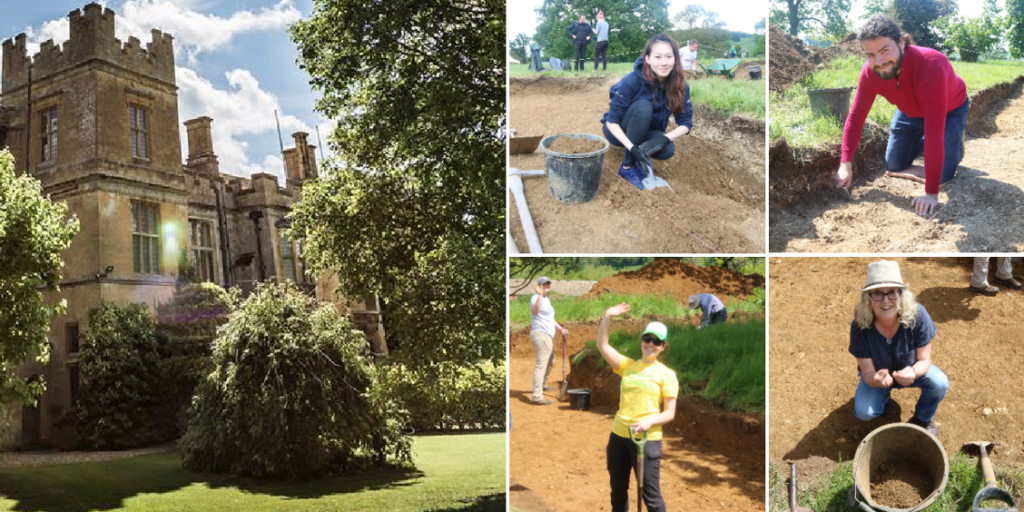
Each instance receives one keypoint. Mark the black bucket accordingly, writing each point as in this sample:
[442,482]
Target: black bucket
[831,102]
[579,399]
[573,179]
[754,72]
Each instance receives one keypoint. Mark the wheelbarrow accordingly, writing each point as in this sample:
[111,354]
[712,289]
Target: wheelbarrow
[722,67]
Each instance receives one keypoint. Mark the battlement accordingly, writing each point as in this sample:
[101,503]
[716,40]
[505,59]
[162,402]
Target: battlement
[91,37]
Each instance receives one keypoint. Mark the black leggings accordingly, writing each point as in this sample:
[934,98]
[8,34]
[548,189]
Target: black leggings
[636,124]
[622,468]
[601,54]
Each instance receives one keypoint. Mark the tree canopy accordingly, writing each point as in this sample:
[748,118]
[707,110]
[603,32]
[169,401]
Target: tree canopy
[829,17]
[518,47]
[33,233]
[916,16]
[413,207]
[1015,27]
[972,37]
[630,24]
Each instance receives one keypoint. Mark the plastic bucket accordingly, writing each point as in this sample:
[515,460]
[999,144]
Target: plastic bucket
[573,179]
[754,72]
[831,102]
[579,399]
[892,443]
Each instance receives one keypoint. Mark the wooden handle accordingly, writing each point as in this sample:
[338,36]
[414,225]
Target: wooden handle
[986,468]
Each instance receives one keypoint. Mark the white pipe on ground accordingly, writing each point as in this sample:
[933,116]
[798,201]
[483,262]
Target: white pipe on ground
[515,184]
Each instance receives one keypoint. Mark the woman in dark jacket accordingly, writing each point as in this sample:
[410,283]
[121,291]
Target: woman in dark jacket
[641,104]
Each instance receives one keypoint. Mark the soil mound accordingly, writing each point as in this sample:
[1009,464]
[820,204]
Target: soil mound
[572,146]
[679,280]
[790,60]
[901,484]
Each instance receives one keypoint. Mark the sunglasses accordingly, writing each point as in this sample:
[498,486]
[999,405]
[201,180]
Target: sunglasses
[877,296]
[655,341]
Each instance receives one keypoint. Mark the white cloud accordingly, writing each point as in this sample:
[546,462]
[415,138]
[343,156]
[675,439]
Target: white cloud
[243,109]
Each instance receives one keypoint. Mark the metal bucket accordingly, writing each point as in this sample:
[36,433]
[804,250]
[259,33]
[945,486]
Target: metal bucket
[891,443]
[573,178]
[579,399]
[831,102]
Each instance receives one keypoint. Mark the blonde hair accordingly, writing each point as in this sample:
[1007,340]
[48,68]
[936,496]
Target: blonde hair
[906,308]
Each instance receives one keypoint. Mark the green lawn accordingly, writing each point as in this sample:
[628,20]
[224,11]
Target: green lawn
[733,353]
[735,97]
[791,115]
[828,494]
[463,472]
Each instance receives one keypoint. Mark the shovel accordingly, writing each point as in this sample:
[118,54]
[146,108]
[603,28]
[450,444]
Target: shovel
[792,492]
[991,491]
[565,383]
[652,181]
[639,468]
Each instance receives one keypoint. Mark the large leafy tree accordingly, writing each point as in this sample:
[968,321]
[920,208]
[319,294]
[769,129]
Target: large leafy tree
[1015,27]
[973,37]
[630,22]
[519,46]
[829,16]
[915,17]
[414,207]
[33,232]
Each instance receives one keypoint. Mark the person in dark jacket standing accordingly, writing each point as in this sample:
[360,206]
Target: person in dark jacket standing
[580,32]
[641,104]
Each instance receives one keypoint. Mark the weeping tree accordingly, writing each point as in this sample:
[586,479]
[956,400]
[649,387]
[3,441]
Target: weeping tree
[292,394]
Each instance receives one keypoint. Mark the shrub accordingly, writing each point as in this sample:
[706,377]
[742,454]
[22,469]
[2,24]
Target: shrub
[447,396]
[291,395]
[118,377]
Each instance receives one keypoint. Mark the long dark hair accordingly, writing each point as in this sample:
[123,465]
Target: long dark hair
[675,83]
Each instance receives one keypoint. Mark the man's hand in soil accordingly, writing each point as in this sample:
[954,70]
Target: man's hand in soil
[926,204]
[844,176]
[906,376]
[881,379]
[641,426]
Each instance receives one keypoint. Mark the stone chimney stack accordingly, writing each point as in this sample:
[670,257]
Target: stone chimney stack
[201,157]
[300,161]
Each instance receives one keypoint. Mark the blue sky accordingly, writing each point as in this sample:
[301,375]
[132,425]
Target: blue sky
[235,60]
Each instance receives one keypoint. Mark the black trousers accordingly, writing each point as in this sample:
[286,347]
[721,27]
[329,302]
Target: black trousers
[636,124]
[719,317]
[601,54]
[622,468]
[580,55]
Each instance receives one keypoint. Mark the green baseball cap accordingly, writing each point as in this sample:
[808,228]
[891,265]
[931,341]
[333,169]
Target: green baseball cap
[658,329]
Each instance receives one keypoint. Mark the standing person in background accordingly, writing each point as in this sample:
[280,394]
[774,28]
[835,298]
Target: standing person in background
[1004,276]
[601,50]
[542,334]
[713,310]
[744,53]
[732,52]
[688,56]
[580,32]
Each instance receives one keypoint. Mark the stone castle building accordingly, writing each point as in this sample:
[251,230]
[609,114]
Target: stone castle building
[96,121]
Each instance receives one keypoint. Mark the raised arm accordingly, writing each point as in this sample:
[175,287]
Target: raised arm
[535,304]
[612,356]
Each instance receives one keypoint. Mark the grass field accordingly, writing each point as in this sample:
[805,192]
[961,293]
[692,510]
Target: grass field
[733,353]
[464,472]
[735,97]
[791,115]
[829,494]
[574,309]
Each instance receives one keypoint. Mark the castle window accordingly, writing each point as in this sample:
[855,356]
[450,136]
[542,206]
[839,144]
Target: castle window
[201,236]
[145,239]
[139,132]
[49,135]
[287,258]
[72,339]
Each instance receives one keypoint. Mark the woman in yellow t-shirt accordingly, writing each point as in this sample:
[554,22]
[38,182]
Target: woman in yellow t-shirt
[647,401]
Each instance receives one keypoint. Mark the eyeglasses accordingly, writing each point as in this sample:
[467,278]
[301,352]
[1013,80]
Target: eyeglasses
[877,296]
[654,341]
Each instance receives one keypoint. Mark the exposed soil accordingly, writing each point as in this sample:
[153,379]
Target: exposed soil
[521,498]
[985,200]
[717,174]
[712,459]
[561,287]
[572,146]
[793,61]
[901,484]
[812,376]
[679,280]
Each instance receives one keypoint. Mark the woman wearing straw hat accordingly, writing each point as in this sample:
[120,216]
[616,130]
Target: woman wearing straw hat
[891,340]
[542,333]
[713,310]
[647,400]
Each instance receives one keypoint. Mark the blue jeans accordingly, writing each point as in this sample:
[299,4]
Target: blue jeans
[906,140]
[636,124]
[869,402]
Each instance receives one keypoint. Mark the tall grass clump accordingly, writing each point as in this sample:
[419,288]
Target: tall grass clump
[730,96]
[574,309]
[733,353]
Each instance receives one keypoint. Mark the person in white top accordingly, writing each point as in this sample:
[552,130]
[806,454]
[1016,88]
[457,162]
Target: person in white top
[542,333]
[688,56]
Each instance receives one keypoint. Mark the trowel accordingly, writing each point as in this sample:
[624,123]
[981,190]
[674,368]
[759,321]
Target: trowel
[652,181]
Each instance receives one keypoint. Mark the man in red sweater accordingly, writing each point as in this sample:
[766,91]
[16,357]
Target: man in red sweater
[931,110]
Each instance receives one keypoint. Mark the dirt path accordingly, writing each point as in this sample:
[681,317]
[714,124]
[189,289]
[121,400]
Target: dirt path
[718,174]
[559,454]
[812,376]
[987,214]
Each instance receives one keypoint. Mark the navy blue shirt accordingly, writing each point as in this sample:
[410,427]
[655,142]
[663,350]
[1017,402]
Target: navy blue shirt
[895,356]
[634,87]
